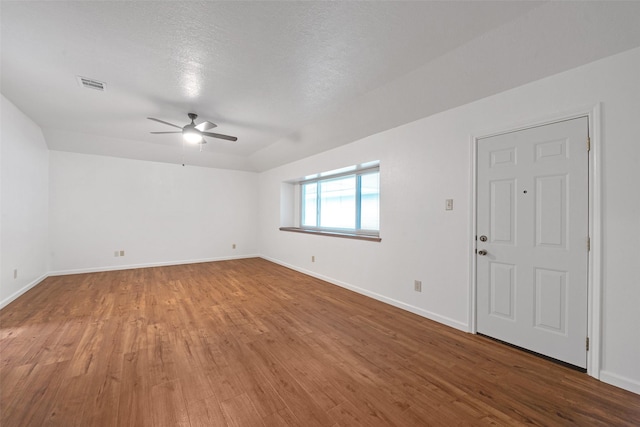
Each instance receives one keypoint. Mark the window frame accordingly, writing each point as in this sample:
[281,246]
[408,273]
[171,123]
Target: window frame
[357,171]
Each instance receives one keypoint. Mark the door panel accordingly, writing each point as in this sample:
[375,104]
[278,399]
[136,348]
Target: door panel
[533,208]
[550,293]
[502,212]
[501,158]
[551,211]
[548,150]
[502,290]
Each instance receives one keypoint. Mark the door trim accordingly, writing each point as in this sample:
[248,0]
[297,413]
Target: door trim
[594,273]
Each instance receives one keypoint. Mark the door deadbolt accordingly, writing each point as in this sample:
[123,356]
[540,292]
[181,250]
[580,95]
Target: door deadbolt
[482,252]
[483,238]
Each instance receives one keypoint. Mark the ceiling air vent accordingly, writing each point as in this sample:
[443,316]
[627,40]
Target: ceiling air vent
[91,83]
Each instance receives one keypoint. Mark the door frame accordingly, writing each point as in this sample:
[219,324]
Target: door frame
[594,271]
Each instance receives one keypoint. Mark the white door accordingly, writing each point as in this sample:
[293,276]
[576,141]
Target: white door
[532,209]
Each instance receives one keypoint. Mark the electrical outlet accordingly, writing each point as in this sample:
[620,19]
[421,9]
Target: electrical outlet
[233,246]
[15,273]
[313,258]
[121,253]
[417,285]
[448,205]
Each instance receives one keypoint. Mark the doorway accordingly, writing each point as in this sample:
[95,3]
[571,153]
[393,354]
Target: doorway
[532,249]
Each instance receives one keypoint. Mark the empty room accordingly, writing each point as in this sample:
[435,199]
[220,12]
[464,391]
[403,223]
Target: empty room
[314,213]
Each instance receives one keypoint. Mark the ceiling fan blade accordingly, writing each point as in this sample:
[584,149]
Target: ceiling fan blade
[179,131]
[206,126]
[166,123]
[220,136]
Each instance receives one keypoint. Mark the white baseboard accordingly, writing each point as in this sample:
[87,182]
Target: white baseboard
[620,381]
[146,265]
[19,292]
[408,307]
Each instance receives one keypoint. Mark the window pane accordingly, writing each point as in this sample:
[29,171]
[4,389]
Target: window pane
[309,206]
[338,203]
[343,203]
[370,201]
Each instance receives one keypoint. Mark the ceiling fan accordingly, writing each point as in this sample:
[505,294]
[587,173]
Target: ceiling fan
[194,133]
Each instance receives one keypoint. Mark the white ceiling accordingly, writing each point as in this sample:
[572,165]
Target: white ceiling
[289,79]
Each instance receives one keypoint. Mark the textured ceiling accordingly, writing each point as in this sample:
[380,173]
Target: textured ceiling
[289,79]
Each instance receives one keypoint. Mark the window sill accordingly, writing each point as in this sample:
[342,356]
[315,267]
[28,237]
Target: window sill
[333,234]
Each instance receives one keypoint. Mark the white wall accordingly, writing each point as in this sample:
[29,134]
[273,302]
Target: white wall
[427,161]
[157,213]
[24,203]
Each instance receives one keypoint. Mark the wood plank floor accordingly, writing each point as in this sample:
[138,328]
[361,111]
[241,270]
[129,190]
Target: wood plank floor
[250,343]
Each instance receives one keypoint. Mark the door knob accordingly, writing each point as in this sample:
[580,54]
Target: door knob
[482,252]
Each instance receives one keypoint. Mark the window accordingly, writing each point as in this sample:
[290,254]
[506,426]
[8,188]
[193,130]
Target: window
[344,201]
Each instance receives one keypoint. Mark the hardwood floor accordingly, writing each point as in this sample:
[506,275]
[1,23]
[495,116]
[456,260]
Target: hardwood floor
[250,343]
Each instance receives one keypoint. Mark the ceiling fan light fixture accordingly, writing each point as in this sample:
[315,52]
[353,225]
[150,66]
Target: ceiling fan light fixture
[192,136]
